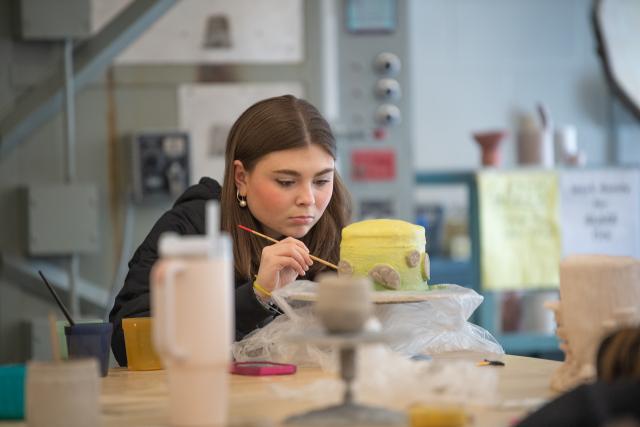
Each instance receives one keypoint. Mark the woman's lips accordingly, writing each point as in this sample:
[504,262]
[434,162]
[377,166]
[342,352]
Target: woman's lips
[301,220]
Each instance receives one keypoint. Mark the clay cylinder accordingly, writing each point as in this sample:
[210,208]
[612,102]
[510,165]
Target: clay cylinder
[63,394]
[344,304]
[535,148]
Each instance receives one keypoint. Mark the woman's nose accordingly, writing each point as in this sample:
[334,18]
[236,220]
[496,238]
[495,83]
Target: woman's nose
[305,197]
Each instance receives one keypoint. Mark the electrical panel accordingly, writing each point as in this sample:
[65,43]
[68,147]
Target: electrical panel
[374,132]
[160,165]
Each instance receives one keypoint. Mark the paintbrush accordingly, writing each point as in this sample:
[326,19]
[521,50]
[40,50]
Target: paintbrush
[264,236]
[57,298]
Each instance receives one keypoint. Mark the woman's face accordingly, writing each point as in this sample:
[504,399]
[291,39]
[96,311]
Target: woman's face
[288,190]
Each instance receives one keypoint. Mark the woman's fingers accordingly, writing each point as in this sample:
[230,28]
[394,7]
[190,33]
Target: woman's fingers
[286,261]
[296,242]
[289,249]
[305,250]
[282,262]
[277,262]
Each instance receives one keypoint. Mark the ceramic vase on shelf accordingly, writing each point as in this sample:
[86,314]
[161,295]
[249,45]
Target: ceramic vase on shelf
[534,140]
[489,142]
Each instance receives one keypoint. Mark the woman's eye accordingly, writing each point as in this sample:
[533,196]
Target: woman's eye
[285,183]
[321,182]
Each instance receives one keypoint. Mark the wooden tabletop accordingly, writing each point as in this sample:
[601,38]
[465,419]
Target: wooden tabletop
[140,398]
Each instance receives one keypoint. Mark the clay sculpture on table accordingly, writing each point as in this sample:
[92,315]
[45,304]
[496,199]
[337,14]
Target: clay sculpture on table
[598,294]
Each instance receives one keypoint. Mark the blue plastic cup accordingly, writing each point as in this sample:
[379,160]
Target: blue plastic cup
[90,340]
[12,392]
[62,338]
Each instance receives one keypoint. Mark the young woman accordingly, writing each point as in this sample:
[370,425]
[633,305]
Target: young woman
[280,179]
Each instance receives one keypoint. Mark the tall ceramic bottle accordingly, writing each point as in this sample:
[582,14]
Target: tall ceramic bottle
[193,310]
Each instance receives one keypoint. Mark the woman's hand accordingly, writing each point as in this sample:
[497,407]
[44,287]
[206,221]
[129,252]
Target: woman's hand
[282,262]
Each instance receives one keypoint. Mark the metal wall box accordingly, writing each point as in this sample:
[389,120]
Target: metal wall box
[59,19]
[63,219]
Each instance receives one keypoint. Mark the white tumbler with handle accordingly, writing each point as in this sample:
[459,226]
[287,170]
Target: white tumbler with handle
[193,310]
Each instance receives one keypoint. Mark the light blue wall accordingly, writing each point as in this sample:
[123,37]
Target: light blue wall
[477,63]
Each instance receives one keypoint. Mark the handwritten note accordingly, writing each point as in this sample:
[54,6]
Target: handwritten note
[519,229]
[600,212]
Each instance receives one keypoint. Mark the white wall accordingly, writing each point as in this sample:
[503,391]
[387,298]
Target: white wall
[476,63]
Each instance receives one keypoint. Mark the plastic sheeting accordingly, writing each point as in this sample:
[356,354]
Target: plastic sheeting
[439,324]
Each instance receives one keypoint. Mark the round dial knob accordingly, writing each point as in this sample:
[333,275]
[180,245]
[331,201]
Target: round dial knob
[388,89]
[387,64]
[388,115]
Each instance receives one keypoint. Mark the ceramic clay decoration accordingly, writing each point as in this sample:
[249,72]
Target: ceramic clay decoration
[598,293]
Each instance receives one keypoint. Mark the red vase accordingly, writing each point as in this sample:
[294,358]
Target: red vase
[490,145]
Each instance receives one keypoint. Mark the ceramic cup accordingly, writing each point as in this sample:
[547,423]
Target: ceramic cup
[90,340]
[62,337]
[535,318]
[344,305]
[535,147]
[64,394]
[141,354]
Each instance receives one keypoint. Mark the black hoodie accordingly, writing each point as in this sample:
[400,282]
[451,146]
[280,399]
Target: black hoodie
[186,217]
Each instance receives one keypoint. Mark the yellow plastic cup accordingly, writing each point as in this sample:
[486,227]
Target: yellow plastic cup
[141,355]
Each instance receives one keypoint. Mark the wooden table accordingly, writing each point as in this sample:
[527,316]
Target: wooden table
[140,398]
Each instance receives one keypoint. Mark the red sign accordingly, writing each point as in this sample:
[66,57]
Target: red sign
[373,165]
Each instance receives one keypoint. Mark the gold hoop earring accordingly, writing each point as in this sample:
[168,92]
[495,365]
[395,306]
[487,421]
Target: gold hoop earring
[242,200]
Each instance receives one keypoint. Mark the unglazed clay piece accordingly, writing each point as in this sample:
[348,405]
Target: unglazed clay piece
[426,267]
[63,394]
[597,293]
[413,258]
[386,276]
[345,269]
[344,303]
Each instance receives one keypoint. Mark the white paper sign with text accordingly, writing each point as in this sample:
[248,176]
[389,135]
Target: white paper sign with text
[600,212]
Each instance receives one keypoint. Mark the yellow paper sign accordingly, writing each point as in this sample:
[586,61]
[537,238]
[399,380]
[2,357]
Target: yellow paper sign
[519,230]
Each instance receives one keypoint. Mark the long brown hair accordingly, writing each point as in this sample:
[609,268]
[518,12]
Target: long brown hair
[275,124]
[618,355]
